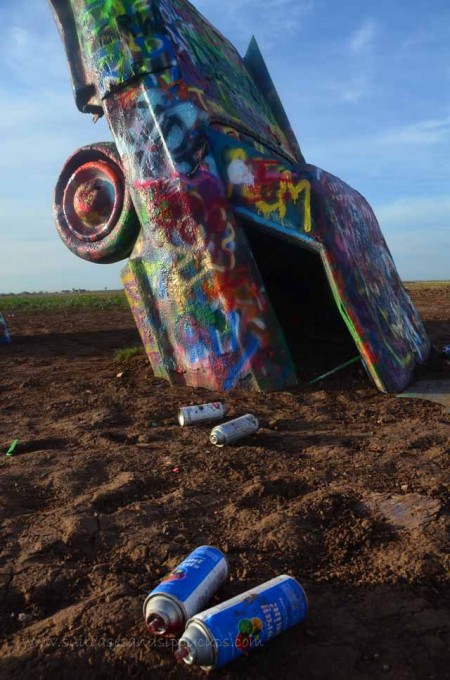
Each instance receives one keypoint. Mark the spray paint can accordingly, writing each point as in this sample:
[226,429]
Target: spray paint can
[188,415]
[221,634]
[234,430]
[185,591]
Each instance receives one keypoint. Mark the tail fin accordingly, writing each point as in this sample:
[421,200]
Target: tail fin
[257,68]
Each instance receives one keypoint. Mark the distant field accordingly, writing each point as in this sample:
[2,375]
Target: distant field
[63,301]
[426,284]
[114,299]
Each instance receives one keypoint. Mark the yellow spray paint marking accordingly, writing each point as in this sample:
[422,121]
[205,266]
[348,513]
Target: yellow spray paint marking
[238,155]
[288,192]
[200,94]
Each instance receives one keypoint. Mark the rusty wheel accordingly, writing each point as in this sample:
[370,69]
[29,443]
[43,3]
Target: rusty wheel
[94,214]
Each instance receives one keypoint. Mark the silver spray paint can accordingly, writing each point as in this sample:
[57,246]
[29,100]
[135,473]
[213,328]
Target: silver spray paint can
[188,415]
[185,591]
[234,430]
[221,634]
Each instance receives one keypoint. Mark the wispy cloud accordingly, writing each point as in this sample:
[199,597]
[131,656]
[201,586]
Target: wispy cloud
[355,65]
[427,213]
[356,89]
[394,148]
[434,29]
[418,233]
[20,37]
[362,39]
[28,58]
[267,20]
[422,133]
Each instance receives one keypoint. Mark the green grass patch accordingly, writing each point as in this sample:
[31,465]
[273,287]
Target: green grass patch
[127,353]
[84,301]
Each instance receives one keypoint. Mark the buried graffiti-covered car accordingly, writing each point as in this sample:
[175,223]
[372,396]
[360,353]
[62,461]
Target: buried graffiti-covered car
[244,260]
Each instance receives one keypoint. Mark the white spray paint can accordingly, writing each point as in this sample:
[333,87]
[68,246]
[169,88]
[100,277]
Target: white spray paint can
[234,430]
[188,415]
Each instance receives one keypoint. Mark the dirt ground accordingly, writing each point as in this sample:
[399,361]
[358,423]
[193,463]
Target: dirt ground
[106,493]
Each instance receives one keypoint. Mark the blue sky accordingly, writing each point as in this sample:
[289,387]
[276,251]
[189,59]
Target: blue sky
[365,84]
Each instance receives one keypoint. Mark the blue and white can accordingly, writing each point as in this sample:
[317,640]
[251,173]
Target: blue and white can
[219,635]
[185,591]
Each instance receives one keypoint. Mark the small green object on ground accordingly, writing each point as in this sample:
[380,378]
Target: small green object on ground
[12,448]
[335,370]
[127,353]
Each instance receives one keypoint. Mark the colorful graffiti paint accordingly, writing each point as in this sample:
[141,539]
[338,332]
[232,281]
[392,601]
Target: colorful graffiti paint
[318,209]
[203,145]
[4,334]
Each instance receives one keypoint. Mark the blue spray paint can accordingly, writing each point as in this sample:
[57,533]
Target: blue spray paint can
[219,635]
[185,591]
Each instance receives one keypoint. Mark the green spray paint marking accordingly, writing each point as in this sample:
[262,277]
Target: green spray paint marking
[335,370]
[12,448]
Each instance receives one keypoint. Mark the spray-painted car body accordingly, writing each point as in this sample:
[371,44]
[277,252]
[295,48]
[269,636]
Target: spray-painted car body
[4,334]
[203,149]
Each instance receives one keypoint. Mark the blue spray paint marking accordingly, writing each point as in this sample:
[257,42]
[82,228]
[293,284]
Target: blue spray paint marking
[250,348]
